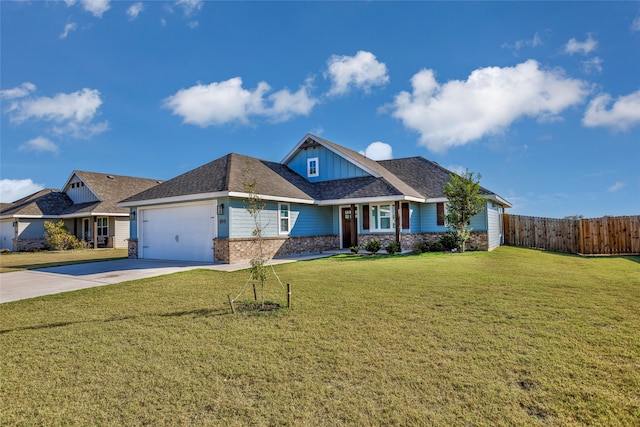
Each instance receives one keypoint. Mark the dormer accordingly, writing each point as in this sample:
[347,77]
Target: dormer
[319,160]
[79,191]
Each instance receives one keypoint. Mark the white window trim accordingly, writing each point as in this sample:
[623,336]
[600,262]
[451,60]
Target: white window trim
[317,173]
[280,218]
[98,227]
[372,223]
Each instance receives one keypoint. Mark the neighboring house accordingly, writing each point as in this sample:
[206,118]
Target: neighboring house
[322,196]
[86,204]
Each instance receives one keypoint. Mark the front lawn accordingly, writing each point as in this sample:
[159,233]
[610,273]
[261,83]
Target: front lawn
[511,337]
[15,261]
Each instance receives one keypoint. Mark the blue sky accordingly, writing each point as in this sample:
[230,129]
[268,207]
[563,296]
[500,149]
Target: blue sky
[541,98]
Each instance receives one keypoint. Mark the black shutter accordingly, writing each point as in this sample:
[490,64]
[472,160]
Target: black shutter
[365,217]
[440,213]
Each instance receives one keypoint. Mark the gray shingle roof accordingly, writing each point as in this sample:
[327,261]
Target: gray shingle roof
[227,174]
[411,177]
[110,189]
[427,177]
[47,202]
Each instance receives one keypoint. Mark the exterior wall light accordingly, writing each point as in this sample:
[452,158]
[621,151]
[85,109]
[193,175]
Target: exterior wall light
[221,209]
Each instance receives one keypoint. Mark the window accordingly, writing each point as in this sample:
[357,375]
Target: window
[103,226]
[283,209]
[382,217]
[312,167]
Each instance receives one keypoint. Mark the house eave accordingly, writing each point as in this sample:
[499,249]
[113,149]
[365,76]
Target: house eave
[272,198]
[174,199]
[359,200]
[499,200]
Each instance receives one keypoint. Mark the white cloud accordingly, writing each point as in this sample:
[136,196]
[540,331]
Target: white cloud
[360,71]
[72,113]
[134,10]
[18,92]
[15,189]
[40,144]
[490,100]
[533,42]
[96,7]
[585,47]
[624,113]
[378,151]
[190,6]
[286,105]
[223,102]
[67,29]
[635,25]
[592,65]
[615,187]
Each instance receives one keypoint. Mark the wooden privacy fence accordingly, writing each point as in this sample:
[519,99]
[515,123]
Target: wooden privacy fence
[618,235]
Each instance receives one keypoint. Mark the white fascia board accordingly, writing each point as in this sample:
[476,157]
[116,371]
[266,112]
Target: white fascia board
[175,199]
[87,214]
[272,198]
[309,136]
[499,200]
[365,200]
[437,200]
[18,216]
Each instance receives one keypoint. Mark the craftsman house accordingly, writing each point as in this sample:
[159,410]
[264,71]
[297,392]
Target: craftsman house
[322,196]
[86,204]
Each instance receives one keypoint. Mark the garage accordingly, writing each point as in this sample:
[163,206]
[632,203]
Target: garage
[7,233]
[178,232]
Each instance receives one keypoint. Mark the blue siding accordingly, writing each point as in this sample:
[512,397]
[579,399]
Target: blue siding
[223,220]
[133,225]
[330,165]
[429,220]
[414,218]
[309,220]
[304,220]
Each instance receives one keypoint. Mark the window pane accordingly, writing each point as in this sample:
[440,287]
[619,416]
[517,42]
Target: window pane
[385,222]
[284,224]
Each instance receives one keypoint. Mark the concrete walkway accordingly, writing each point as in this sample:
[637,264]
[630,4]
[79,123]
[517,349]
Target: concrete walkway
[25,284]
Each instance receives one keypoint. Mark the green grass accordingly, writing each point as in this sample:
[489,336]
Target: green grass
[16,261]
[511,337]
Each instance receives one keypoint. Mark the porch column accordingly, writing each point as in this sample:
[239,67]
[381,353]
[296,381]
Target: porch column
[95,232]
[354,233]
[398,225]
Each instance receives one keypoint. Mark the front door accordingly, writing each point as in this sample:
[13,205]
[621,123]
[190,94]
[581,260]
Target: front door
[349,228]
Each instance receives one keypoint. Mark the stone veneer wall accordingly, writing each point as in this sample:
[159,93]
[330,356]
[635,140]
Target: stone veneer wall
[237,250]
[479,240]
[28,244]
[132,245]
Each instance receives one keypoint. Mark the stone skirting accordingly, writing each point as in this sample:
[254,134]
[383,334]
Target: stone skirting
[243,249]
[479,240]
[132,245]
[26,245]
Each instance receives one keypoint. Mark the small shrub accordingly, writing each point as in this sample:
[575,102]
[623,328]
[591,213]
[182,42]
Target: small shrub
[355,249]
[437,247]
[373,246]
[449,241]
[393,247]
[59,238]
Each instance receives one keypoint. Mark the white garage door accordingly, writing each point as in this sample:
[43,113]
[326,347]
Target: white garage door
[7,233]
[182,233]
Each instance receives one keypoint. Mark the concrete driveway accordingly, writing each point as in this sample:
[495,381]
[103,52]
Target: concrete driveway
[46,281]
